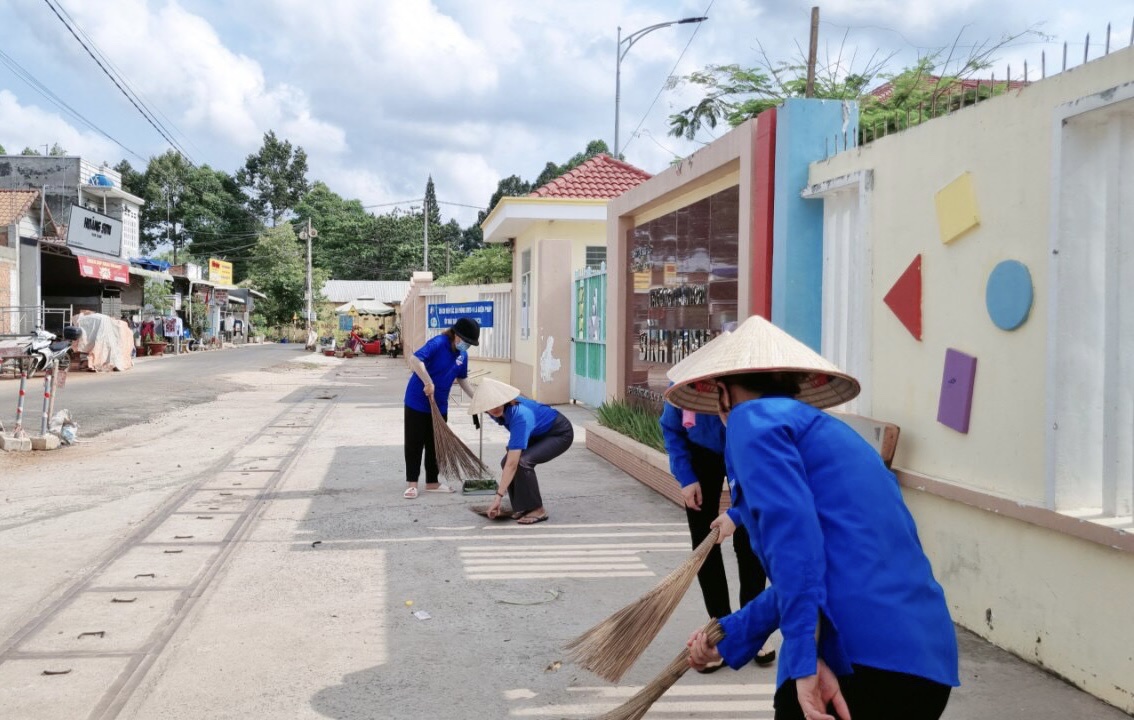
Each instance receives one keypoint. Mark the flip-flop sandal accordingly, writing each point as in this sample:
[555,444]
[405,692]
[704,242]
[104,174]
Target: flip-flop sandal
[440,489]
[532,519]
[410,493]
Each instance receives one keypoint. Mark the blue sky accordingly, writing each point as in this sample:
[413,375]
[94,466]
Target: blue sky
[383,93]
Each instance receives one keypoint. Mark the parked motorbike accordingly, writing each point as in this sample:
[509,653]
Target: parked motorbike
[46,351]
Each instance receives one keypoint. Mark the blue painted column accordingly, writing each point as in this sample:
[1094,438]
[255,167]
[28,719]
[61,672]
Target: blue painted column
[806,132]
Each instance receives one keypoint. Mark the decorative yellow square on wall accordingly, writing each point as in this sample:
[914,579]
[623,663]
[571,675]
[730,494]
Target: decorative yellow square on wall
[957,211]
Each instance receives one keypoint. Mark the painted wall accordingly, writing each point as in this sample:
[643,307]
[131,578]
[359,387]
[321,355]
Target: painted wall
[805,128]
[558,248]
[1054,597]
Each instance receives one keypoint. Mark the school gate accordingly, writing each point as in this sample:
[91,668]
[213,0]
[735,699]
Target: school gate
[588,341]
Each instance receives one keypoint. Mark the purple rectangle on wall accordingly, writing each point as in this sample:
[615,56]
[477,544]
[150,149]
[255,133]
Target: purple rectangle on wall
[957,384]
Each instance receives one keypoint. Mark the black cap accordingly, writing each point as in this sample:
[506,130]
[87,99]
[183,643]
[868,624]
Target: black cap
[468,330]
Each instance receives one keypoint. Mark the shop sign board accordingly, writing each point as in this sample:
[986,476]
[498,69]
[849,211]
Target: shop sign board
[89,230]
[220,271]
[443,315]
[105,270]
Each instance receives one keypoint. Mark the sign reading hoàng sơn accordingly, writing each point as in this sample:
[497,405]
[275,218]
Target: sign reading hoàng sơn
[443,315]
[89,230]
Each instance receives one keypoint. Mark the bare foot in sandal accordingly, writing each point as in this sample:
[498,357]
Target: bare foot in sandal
[532,517]
[410,493]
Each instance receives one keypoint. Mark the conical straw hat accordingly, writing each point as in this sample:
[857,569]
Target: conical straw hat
[695,401]
[491,394]
[759,346]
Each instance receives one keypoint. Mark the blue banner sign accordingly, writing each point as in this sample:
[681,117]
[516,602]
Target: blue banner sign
[443,315]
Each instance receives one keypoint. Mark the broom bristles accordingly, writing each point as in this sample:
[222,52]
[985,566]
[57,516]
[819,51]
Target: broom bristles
[637,706]
[454,459]
[610,648]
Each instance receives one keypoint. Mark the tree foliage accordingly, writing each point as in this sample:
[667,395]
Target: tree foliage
[274,179]
[488,265]
[280,272]
[733,94]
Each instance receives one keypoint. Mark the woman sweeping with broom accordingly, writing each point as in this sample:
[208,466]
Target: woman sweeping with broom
[440,362]
[866,630]
[536,434]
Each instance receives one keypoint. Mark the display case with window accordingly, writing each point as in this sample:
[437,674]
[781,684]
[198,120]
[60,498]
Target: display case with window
[682,285]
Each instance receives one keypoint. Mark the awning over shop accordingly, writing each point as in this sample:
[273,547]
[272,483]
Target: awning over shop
[151,274]
[234,299]
[102,268]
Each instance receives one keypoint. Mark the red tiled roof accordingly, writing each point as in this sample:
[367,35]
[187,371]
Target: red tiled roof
[600,178]
[14,204]
[883,92]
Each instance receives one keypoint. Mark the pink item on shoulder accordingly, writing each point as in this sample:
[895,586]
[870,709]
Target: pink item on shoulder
[688,419]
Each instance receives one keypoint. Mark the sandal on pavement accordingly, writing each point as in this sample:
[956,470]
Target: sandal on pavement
[410,493]
[440,489]
[533,519]
[764,659]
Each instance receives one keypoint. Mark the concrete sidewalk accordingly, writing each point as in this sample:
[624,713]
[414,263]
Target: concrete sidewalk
[313,613]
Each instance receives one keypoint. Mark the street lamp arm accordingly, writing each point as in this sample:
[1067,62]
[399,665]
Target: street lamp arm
[637,35]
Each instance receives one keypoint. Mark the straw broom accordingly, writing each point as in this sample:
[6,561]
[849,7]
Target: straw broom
[611,647]
[454,459]
[637,706]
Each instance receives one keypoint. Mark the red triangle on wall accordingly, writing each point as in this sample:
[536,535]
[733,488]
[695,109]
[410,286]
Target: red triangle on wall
[904,298]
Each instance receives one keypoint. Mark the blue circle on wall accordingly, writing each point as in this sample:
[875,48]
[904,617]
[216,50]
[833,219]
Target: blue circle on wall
[1009,294]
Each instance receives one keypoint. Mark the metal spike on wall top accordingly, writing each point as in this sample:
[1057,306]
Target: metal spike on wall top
[1086,48]
[1064,56]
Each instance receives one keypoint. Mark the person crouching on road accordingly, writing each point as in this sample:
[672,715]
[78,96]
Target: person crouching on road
[695,443]
[866,627]
[536,434]
[439,362]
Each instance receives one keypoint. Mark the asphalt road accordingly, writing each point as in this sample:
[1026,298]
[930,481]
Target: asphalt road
[101,402]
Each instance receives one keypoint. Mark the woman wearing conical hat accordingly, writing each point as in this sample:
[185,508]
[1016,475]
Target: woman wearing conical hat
[536,434]
[866,629]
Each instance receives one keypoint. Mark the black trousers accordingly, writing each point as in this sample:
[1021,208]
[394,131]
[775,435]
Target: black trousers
[523,492]
[874,694]
[418,437]
[709,467]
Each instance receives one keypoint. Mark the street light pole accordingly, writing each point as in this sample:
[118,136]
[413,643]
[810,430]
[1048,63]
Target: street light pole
[620,53]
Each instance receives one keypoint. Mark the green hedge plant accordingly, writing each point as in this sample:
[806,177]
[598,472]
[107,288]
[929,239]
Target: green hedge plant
[633,422]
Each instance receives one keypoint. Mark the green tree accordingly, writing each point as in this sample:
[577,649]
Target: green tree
[733,94]
[511,186]
[279,270]
[485,266]
[274,179]
[346,245]
[3,151]
[30,151]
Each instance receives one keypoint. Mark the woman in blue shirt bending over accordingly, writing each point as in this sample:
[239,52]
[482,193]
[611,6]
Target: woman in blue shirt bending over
[436,366]
[536,434]
[866,629]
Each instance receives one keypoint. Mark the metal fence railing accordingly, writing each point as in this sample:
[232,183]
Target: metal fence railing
[21,320]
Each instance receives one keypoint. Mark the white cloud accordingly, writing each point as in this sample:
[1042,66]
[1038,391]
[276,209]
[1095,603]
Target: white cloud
[23,125]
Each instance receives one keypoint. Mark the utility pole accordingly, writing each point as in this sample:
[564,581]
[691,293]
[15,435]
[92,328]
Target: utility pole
[812,51]
[425,225]
[307,234]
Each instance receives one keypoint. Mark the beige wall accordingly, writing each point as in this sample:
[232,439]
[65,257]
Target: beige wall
[558,250]
[1055,600]
[1005,143]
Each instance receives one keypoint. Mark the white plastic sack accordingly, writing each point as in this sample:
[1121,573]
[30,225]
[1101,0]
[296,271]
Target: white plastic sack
[62,425]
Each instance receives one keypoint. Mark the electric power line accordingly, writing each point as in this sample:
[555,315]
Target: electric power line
[667,77]
[20,72]
[173,143]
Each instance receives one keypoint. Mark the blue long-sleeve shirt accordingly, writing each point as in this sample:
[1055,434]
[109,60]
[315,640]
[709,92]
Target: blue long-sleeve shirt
[827,520]
[445,365]
[526,420]
[708,432]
